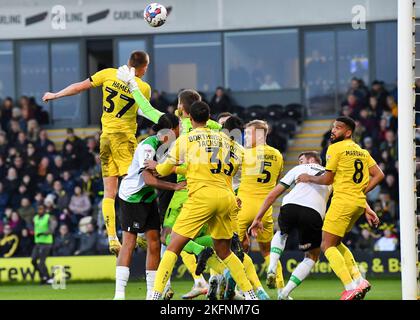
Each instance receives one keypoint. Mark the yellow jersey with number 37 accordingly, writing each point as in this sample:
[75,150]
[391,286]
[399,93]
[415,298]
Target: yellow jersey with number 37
[351,164]
[119,108]
[261,168]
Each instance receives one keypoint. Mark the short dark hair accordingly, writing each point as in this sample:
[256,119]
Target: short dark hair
[200,112]
[166,121]
[223,115]
[311,154]
[70,130]
[233,122]
[349,122]
[187,98]
[138,59]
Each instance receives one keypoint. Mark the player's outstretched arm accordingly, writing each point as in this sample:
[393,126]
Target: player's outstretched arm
[376,176]
[145,110]
[152,181]
[71,90]
[268,202]
[326,179]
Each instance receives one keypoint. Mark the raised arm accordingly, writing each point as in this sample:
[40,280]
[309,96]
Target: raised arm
[71,90]
[326,179]
[152,181]
[146,110]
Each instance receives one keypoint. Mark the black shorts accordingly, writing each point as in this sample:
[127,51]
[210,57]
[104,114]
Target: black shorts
[139,217]
[307,221]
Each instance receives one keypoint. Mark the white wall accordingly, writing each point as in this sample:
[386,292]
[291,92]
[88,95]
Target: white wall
[187,15]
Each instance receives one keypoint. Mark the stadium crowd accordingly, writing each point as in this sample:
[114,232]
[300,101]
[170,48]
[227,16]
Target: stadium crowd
[67,183]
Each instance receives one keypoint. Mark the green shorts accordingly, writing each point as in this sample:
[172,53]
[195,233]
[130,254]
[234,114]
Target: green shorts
[174,208]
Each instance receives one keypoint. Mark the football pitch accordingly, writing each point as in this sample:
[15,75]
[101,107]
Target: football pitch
[311,289]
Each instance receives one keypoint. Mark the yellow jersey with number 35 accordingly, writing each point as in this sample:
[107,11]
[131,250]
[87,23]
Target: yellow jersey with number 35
[351,164]
[261,168]
[210,156]
[119,108]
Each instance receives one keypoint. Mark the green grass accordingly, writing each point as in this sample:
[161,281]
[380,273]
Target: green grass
[311,289]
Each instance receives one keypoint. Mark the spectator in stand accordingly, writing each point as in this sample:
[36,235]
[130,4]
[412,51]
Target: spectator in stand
[375,109]
[378,90]
[43,141]
[71,160]
[11,183]
[269,83]
[16,223]
[390,144]
[17,197]
[43,168]
[9,242]
[371,147]
[159,101]
[367,121]
[366,241]
[389,241]
[33,130]
[353,103]
[62,199]
[69,219]
[57,168]
[47,185]
[26,244]
[13,131]
[64,243]
[88,242]
[27,212]
[21,142]
[220,102]
[68,182]
[80,203]
[71,138]
[390,186]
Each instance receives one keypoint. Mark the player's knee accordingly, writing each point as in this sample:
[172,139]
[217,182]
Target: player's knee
[312,255]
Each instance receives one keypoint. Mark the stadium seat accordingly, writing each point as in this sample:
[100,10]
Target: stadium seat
[274,111]
[294,111]
[238,111]
[285,125]
[255,112]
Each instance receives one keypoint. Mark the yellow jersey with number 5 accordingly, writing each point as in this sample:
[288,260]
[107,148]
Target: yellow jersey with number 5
[261,168]
[119,108]
[351,164]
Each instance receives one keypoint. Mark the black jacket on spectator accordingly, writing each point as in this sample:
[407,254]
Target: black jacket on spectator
[223,104]
[64,246]
[88,243]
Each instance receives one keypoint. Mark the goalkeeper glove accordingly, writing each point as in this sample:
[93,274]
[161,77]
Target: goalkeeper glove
[127,75]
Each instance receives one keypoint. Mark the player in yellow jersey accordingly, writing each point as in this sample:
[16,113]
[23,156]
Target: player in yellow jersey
[353,173]
[211,200]
[261,170]
[118,140]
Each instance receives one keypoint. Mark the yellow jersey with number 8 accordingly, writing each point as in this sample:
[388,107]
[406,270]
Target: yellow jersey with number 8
[351,164]
[261,169]
[119,108]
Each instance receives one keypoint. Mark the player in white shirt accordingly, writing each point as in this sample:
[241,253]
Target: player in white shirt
[303,208]
[139,209]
